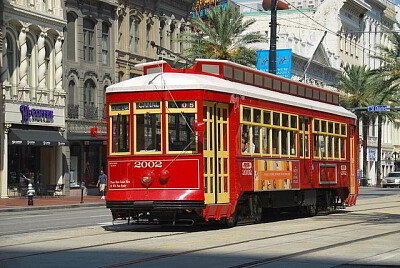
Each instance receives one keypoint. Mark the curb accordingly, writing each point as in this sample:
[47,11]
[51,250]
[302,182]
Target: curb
[16,209]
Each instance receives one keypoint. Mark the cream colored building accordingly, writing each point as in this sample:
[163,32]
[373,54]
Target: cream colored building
[354,29]
[34,96]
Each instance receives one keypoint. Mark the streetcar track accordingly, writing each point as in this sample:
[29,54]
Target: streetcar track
[253,263]
[308,251]
[190,251]
[91,246]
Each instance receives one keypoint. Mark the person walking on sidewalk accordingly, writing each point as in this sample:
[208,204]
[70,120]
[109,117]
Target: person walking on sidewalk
[102,183]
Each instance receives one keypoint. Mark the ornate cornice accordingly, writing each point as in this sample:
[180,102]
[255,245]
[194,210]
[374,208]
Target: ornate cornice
[26,13]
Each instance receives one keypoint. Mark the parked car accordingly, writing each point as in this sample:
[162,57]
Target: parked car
[391,180]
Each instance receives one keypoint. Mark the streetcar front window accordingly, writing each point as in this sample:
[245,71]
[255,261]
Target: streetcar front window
[180,132]
[120,133]
[148,133]
[148,127]
[181,117]
[120,128]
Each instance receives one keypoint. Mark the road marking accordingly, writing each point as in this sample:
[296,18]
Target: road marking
[25,217]
[98,216]
[384,258]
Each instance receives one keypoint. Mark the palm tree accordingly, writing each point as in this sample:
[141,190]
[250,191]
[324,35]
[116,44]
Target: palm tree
[359,89]
[222,36]
[389,73]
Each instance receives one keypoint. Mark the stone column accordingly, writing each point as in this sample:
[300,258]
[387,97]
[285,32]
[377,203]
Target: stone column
[41,61]
[4,164]
[23,65]
[4,68]
[58,63]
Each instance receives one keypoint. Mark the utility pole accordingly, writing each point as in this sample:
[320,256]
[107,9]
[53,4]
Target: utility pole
[272,48]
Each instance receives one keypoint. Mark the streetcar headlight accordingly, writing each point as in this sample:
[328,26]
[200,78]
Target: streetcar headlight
[147,178]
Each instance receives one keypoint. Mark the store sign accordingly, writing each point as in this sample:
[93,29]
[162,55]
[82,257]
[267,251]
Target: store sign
[37,115]
[372,154]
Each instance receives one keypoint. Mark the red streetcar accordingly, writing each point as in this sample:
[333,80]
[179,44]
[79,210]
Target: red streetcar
[221,141]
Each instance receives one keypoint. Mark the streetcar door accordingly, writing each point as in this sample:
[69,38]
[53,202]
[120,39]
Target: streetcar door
[216,153]
[353,161]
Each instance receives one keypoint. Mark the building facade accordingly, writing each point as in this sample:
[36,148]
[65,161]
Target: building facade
[141,23]
[89,69]
[34,96]
[104,41]
[353,36]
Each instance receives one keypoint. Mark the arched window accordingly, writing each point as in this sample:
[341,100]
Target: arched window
[88,40]
[182,31]
[73,109]
[105,43]
[10,59]
[90,109]
[71,22]
[148,31]
[134,34]
[71,92]
[47,62]
[29,59]
[88,93]
[162,37]
[172,37]
[120,76]
[120,23]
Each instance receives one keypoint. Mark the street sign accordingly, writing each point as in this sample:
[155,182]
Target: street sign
[379,108]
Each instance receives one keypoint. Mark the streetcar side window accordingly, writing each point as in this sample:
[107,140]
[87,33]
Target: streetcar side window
[268,133]
[148,127]
[181,116]
[120,128]
[329,139]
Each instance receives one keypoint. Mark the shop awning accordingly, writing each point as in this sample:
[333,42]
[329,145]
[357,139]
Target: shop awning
[36,137]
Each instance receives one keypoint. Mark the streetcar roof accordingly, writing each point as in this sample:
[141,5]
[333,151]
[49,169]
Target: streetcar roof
[188,81]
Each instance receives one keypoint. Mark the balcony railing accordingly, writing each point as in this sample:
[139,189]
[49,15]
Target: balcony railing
[90,112]
[73,111]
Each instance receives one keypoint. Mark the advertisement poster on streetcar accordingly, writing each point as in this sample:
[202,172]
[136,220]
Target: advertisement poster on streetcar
[270,175]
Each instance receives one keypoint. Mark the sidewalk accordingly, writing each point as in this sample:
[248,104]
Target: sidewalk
[41,203]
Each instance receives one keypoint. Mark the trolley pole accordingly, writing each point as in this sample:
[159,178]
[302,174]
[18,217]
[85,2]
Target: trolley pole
[272,48]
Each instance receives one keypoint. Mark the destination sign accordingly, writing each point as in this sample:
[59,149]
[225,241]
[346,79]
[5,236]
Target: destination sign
[120,107]
[148,105]
[379,108]
[181,104]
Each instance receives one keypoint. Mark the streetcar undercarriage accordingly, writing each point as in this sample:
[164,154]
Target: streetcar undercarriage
[251,207]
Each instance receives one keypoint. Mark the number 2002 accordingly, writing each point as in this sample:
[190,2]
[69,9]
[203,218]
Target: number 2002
[147,164]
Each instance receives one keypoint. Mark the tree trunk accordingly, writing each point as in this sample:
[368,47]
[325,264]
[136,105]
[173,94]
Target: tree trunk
[365,125]
[378,163]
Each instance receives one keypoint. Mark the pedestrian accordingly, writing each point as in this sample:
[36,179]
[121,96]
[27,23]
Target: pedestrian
[102,182]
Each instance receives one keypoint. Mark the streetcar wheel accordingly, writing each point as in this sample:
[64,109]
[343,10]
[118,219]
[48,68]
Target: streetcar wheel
[311,210]
[232,222]
[257,210]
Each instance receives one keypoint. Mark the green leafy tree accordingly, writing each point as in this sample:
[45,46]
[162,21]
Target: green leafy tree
[388,93]
[358,90]
[222,36]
